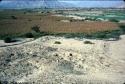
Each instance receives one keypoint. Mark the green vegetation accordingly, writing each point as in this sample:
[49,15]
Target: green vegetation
[9,40]
[122,27]
[13,17]
[57,42]
[36,29]
[98,35]
[113,20]
[36,33]
[29,35]
[88,42]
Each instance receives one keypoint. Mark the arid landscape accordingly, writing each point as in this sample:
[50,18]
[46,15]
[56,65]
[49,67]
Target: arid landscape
[23,22]
[62,46]
[59,60]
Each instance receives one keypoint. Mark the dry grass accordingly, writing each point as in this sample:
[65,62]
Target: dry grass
[49,23]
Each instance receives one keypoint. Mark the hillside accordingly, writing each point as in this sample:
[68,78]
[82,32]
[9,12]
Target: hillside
[18,4]
[34,4]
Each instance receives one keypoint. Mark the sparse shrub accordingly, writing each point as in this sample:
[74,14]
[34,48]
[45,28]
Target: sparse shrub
[29,35]
[82,20]
[60,12]
[101,35]
[42,12]
[24,12]
[113,20]
[44,33]
[72,20]
[48,12]
[114,34]
[73,35]
[57,42]
[13,17]
[122,27]
[88,42]
[88,35]
[29,20]
[36,29]
[8,40]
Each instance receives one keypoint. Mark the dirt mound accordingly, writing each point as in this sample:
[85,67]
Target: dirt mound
[71,61]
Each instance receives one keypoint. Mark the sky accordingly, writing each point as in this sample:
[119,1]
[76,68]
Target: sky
[75,3]
[97,3]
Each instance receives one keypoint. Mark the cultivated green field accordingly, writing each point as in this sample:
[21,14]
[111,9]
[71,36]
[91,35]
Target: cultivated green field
[105,14]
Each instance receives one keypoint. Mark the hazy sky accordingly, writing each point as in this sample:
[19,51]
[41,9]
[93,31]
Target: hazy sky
[76,3]
[96,3]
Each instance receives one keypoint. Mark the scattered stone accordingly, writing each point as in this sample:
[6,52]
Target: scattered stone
[34,55]
[51,49]
[70,54]
[56,55]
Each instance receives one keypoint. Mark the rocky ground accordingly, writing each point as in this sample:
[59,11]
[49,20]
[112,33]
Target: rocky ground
[60,60]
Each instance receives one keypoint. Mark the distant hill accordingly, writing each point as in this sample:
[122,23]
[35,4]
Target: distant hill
[34,3]
[59,3]
[122,6]
[56,4]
